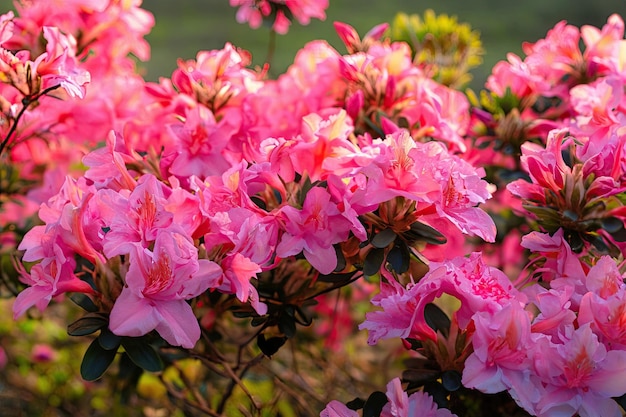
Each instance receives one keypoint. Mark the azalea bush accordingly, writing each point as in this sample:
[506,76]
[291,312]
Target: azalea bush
[360,236]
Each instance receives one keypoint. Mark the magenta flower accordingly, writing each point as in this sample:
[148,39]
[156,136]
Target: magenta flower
[314,230]
[135,217]
[59,66]
[158,283]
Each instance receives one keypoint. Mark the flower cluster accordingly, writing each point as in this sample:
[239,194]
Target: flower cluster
[279,13]
[217,192]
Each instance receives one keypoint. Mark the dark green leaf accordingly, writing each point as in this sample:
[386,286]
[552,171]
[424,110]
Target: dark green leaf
[258,202]
[383,238]
[88,324]
[438,392]
[619,236]
[419,377]
[570,215]
[108,340]
[374,404]
[575,241]
[399,257]
[142,354]
[287,325]
[428,234]
[356,404]
[373,262]
[621,401]
[242,314]
[597,242]
[612,224]
[96,361]
[83,301]
[451,380]
[437,319]
[340,279]
[270,346]
[257,321]
[415,344]
[341,260]
[302,318]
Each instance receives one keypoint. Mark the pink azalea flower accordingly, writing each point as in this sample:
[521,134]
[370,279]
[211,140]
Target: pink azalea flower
[606,316]
[579,376]
[158,283]
[107,165]
[199,144]
[137,216]
[255,11]
[478,287]
[556,317]
[6,26]
[58,65]
[313,230]
[501,358]
[238,270]
[558,259]
[47,279]
[417,404]
[337,409]
[397,317]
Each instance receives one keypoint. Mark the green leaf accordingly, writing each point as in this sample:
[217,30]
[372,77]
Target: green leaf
[399,257]
[621,401]
[373,261]
[270,346]
[142,354]
[88,324]
[84,302]
[612,224]
[438,392]
[374,404]
[437,319]
[419,377]
[619,236]
[96,361]
[287,325]
[415,343]
[428,234]
[383,238]
[341,260]
[108,340]
[356,404]
[451,380]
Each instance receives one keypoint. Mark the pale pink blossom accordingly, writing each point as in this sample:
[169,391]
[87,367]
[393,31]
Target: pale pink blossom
[579,376]
[337,409]
[51,277]
[255,11]
[501,354]
[158,283]
[417,404]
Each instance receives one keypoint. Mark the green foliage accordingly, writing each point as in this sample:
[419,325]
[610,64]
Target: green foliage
[445,48]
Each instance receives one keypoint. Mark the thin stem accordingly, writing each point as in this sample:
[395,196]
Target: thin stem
[236,380]
[271,48]
[26,102]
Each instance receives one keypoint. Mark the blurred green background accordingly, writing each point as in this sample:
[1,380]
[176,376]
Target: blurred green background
[183,27]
